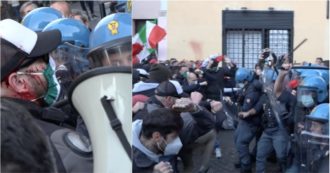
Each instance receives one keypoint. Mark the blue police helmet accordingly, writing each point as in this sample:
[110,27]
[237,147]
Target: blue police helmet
[308,72]
[112,27]
[320,113]
[243,74]
[38,18]
[325,75]
[73,31]
[317,83]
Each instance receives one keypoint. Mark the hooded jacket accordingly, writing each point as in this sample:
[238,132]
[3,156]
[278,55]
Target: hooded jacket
[144,160]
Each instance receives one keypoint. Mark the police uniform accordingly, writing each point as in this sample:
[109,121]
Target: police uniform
[247,127]
[273,136]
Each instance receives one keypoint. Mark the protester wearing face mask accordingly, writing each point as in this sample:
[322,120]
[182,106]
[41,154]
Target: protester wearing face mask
[156,142]
[28,79]
[25,72]
[198,128]
[182,74]
[267,62]
[192,83]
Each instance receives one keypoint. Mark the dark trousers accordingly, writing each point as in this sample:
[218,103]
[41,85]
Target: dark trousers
[272,138]
[244,134]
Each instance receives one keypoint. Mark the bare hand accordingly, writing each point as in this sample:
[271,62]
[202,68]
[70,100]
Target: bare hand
[184,105]
[300,127]
[203,83]
[209,64]
[138,106]
[215,106]
[228,100]
[163,167]
[198,71]
[243,114]
[196,97]
[286,66]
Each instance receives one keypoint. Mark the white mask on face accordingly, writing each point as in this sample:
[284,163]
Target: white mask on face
[240,85]
[174,147]
[258,72]
[269,63]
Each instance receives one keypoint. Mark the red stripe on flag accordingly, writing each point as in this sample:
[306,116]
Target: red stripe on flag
[136,48]
[156,35]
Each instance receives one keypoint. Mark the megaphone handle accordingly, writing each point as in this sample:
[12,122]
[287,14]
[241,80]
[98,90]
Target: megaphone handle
[116,124]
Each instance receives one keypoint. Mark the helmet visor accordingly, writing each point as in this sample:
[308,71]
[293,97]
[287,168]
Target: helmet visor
[118,54]
[72,58]
[306,96]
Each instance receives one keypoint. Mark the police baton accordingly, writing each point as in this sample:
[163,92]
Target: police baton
[294,49]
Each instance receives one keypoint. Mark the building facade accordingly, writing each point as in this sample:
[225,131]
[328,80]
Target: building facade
[240,29]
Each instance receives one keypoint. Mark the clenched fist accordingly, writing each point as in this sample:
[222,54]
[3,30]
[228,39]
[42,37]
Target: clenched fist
[163,167]
[184,105]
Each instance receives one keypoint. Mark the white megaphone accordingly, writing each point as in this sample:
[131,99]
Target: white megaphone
[102,97]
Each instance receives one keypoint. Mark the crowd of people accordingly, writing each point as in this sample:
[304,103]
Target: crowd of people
[178,107]
[45,59]
[275,103]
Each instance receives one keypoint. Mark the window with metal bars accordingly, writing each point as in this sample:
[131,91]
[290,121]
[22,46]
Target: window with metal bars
[245,34]
[245,46]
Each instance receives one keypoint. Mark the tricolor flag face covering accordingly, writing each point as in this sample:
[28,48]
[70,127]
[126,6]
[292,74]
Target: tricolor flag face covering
[52,85]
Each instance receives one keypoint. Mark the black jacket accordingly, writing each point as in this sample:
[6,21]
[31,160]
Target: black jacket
[195,124]
[47,118]
[215,83]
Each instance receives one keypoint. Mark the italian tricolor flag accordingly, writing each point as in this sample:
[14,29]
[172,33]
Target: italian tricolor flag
[146,40]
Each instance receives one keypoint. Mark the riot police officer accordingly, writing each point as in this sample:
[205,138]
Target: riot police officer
[248,123]
[70,58]
[274,116]
[39,18]
[275,119]
[312,90]
[316,139]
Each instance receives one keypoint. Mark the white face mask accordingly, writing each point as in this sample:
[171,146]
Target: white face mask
[307,101]
[240,85]
[174,147]
[258,72]
[269,63]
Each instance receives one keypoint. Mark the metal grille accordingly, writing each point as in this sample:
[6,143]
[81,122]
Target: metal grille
[235,46]
[244,46]
[279,41]
[252,48]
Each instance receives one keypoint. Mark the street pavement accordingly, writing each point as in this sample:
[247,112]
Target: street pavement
[229,157]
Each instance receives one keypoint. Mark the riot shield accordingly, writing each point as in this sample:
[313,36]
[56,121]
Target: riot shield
[300,111]
[314,153]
